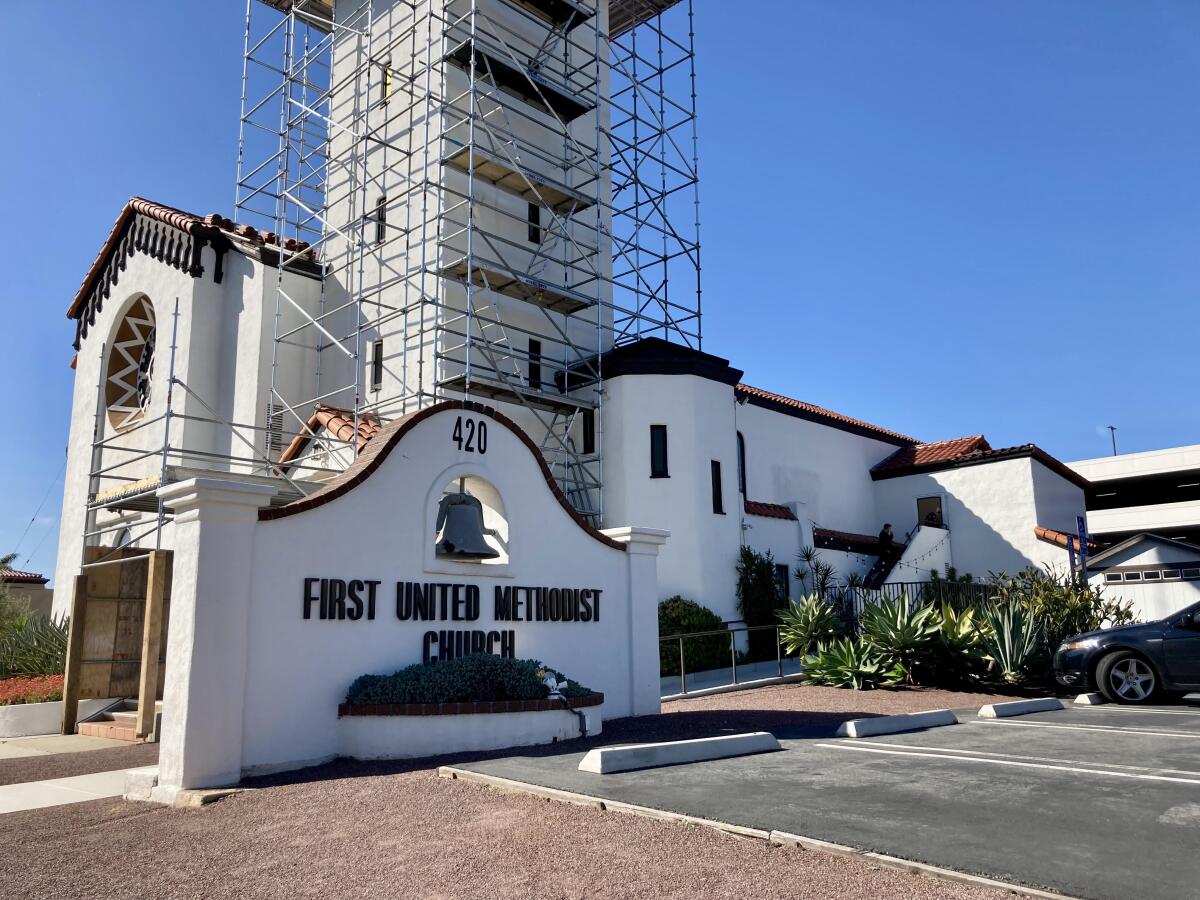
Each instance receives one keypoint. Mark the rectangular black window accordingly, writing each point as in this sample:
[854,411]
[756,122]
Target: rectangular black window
[381,220]
[929,512]
[535,364]
[589,431]
[376,365]
[782,580]
[534,218]
[718,501]
[385,82]
[658,451]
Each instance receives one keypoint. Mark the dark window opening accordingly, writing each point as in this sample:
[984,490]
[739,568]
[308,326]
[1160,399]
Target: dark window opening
[376,365]
[783,580]
[741,464]
[535,364]
[929,512]
[385,82]
[718,501]
[589,431]
[381,220]
[658,452]
[534,218]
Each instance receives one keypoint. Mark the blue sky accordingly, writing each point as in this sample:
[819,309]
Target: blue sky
[942,217]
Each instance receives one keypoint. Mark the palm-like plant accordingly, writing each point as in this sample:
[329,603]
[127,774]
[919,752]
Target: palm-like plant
[1010,635]
[900,633]
[806,622]
[38,646]
[848,664]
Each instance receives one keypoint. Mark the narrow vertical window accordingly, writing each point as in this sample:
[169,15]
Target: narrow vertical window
[741,464]
[718,501]
[385,84]
[658,451]
[381,220]
[535,364]
[534,218]
[589,431]
[376,365]
[782,581]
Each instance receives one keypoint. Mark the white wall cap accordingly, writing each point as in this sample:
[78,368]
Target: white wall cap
[638,539]
[187,494]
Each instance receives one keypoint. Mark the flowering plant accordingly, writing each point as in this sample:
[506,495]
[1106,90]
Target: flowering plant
[30,689]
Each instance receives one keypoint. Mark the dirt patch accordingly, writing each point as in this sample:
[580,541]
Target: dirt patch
[84,762]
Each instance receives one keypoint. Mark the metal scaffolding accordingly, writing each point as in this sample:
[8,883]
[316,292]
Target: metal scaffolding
[495,192]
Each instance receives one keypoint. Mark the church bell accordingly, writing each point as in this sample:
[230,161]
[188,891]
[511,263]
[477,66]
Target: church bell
[460,528]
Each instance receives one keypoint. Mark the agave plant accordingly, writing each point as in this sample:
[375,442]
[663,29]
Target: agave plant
[37,647]
[805,622]
[848,664]
[901,634]
[1010,636]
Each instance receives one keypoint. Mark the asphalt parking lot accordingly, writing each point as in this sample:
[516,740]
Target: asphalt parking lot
[1088,801]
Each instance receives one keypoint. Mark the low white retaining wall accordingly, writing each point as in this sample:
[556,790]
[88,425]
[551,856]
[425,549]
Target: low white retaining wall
[25,719]
[408,736]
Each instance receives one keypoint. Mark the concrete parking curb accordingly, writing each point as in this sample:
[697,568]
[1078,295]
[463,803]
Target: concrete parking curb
[860,728]
[1020,708]
[604,760]
[777,838]
[1092,699]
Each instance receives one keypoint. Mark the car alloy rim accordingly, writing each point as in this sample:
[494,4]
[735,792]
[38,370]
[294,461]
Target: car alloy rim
[1131,679]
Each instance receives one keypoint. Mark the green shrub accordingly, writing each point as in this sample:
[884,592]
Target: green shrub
[481,677]
[758,600]
[677,615]
[958,659]
[901,634]
[847,663]
[806,622]
[34,645]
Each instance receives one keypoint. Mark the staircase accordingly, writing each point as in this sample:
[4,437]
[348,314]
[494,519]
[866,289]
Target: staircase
[883,566]
[119,722]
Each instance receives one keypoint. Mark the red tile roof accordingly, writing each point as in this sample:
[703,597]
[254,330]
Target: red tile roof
[12,576]
[177,218]
[814,413]
[768,510]
[935,452]
[337,422]
[965,451]
[1050,536]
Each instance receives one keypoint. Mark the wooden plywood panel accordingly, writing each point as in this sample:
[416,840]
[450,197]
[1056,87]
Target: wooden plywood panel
[133,578]
[94,680]
[100,629]
[127,643]
[124,679]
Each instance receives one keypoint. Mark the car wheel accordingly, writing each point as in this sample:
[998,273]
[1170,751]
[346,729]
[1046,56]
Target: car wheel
[1125,677]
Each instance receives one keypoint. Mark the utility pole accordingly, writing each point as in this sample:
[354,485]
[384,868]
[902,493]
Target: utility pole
[1112,431]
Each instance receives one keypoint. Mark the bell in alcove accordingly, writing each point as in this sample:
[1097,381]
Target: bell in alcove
[460,527]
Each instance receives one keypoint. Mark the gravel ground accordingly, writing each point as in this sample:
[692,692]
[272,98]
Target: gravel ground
[354,829]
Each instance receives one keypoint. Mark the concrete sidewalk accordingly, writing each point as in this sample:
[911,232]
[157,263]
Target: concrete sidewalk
[59,791]
[49,744]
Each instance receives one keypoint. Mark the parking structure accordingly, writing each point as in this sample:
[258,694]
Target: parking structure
[1099,801]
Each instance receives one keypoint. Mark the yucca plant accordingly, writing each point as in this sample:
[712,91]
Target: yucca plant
[847,663]
[806,622]
[901,634]
[1009,636]
[958,656]
[37,647]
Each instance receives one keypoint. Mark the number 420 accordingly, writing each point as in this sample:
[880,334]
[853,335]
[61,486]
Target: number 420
[470,435]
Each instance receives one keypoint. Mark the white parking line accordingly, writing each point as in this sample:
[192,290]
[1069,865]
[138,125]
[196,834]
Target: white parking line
[1112,729]
[1045,759]
[1115,707]
[1079,770]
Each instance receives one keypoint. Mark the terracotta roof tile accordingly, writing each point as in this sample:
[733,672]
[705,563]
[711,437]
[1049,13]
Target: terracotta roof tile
[935,452]
[12,576]
[339,423]
[1050,536]
[768,510]
[820,414]
[177,218]
[966,451]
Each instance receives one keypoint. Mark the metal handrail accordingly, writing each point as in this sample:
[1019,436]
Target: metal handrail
[732,632]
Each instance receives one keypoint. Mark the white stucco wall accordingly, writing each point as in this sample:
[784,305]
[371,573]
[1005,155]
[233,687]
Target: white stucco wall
[290,673]
[991,511]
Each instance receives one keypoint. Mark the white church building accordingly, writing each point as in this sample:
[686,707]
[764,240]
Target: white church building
[454,200]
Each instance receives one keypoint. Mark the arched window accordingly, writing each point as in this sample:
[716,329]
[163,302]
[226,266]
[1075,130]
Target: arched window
[741,464]
[130,368]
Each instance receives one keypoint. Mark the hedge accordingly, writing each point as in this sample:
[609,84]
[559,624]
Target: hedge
[479,677]
[677,615]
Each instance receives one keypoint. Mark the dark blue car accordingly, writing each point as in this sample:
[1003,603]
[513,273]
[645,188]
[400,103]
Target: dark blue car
[1135,663]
